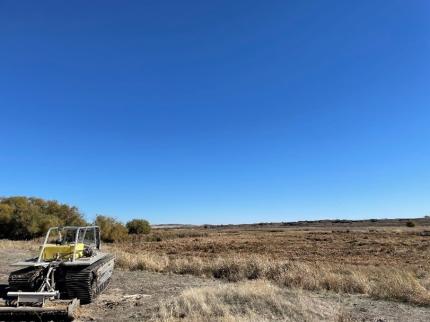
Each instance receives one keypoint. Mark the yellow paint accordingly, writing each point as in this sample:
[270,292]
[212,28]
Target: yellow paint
[64,252]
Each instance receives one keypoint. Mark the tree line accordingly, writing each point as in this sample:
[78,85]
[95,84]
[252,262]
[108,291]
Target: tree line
[27,218]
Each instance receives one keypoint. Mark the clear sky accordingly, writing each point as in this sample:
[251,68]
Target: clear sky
[218,111]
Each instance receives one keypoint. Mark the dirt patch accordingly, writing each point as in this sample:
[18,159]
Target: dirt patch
[362,308]
[136,295]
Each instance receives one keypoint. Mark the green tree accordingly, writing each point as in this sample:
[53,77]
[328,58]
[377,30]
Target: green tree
[6,212]
[138,226]
[111,230]
[24,218]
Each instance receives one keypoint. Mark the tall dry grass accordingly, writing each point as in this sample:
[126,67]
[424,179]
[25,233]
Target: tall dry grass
[31,245]
[379,282]
[246,301]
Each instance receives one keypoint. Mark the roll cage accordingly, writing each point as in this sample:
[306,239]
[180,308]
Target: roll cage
[88,235]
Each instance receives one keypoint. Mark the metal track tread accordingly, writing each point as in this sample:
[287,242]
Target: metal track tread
[82,283]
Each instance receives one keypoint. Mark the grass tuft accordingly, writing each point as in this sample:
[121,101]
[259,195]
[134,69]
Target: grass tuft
[246,301]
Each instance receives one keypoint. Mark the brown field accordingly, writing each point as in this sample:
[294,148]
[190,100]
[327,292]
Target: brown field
[328,271]
[391,246]
[382,262]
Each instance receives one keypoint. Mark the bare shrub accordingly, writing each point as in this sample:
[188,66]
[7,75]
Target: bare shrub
[229,270]
[410,224]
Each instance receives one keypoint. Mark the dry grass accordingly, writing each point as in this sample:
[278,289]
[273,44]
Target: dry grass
[158,235]
[30,245]
[246,301]
[387,264]
[394,246]
[380,282]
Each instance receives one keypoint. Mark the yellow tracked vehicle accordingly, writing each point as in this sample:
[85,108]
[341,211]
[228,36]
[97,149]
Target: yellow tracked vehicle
[70,270]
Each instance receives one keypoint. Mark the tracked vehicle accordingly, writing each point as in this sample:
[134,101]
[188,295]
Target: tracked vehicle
[69,270]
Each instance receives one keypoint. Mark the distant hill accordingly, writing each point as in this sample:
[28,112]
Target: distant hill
[324,223]
[166,226]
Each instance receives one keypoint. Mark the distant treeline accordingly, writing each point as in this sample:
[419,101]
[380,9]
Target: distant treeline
[27,218]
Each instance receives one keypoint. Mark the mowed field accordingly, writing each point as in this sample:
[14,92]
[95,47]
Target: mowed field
[321,271]
[359,246]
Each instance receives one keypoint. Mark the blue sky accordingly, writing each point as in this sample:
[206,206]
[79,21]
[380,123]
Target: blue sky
[218,111]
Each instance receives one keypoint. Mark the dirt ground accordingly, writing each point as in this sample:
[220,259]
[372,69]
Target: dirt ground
[135,295]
